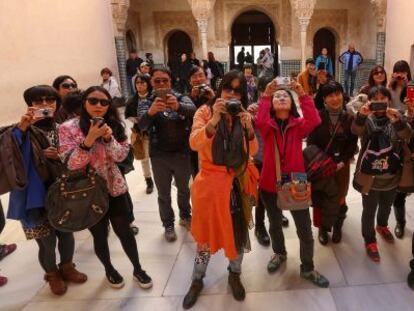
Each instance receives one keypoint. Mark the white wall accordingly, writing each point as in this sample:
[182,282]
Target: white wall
[41,39]
[399,33]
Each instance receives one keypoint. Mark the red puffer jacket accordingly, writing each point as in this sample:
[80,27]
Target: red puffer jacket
[290,144]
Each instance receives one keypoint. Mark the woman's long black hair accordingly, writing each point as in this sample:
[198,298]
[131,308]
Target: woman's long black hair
[225,83]
[112,118]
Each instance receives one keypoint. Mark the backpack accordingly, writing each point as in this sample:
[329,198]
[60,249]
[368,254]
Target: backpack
[380,157]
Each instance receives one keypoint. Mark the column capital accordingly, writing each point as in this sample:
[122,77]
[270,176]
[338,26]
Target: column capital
[202,9]
[120,15]
[202,24]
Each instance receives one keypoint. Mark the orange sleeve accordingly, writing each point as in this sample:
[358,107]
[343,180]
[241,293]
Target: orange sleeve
[198,136]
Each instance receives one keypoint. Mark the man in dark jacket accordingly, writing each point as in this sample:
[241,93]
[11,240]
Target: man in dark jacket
[168,121]
[241,59]
[132,66]
[184,74]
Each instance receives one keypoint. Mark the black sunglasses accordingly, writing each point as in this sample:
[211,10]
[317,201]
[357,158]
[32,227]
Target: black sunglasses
[48,100]
[69,86]
[94,101]
[229,89]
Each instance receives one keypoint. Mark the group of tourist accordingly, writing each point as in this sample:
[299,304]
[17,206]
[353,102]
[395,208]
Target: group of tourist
[241,142]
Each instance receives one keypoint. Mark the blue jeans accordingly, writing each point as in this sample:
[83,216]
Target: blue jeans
[350,74]
[131,88]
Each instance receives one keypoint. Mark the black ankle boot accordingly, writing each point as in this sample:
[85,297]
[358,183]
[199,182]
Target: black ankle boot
[337,231]
[237,288]
[399,230]
[192,295]
[150,185]
[323,236]
[262,235]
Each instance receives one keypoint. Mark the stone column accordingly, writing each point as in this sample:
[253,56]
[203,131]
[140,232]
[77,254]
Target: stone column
[380,8]
[303,23]
[120,15]
[303,10]
[202,24]
[202,10]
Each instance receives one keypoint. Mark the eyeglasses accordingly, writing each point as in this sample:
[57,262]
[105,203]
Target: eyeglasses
[67,86]
[48,100]
[94,101]
[379,73]
[161,81]
[230,89]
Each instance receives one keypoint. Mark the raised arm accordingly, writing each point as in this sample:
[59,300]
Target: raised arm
[311,117]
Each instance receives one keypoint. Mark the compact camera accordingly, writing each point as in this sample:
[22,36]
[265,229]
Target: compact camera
[43,113]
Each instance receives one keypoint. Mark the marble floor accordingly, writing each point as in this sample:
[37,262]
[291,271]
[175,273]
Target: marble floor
[356,282]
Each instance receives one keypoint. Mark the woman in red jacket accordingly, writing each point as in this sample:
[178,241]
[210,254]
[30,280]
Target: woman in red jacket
[279,122]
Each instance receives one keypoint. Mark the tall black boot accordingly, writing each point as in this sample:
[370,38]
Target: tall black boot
[337,228]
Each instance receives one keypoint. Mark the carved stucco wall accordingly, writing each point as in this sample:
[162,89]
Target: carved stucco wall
[226,11]
[334,20]
[134,24]
[168,21]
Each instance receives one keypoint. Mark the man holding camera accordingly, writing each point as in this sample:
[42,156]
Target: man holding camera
[167,117]
[200,94]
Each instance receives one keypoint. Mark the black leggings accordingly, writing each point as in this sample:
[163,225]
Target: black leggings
[2,219]
[119,217]
[47,249]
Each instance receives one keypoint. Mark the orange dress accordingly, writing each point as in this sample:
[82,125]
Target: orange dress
[212,225]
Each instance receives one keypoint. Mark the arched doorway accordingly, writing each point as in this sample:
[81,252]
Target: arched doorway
[254,31]
[130,41]
[324,38]
[178,42]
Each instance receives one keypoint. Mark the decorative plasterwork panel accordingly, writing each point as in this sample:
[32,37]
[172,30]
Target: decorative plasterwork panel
[335,20]
[167,21]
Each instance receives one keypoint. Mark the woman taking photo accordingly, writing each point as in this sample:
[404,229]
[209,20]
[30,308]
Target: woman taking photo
[378,172]
[38,128]
[102,144]
[220,194]
[333,136]
[64,85]
[143,91]
[279,123]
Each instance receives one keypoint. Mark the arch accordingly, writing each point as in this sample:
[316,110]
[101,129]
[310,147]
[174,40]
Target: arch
[326,37]
[176,41]
[269,13]
[253,30]
[130,41]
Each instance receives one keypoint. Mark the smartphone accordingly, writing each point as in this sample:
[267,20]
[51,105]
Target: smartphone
[162,93]
[283,81]
[410,91]
[98,120]
[375,106]
[42,113]
[299,177]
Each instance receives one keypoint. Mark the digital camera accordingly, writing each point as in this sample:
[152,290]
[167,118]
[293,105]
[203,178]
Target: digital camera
[234,107]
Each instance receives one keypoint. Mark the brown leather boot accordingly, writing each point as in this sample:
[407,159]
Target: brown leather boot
[56,283]
[70,274]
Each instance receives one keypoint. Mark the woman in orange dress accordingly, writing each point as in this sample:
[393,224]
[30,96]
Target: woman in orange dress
[221,192]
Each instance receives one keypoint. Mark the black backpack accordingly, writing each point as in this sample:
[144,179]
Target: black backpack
[380,157]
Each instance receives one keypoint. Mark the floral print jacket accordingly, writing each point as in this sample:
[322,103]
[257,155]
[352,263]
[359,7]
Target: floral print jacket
[103,157]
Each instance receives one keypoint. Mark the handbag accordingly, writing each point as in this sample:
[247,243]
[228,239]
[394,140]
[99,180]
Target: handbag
[317,163]
[294,195]
[77,200]
[137,143]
